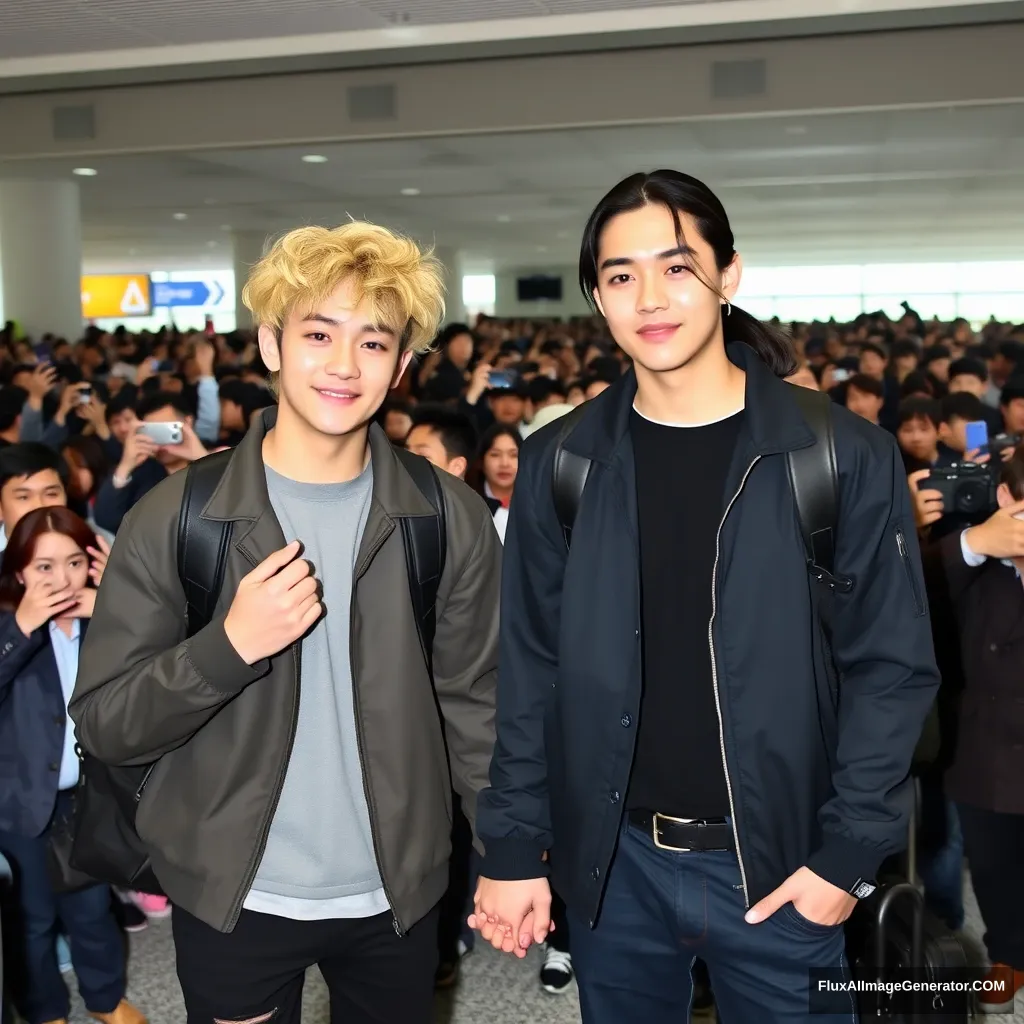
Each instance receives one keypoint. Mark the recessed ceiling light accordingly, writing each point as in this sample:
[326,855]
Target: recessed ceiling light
[181,216]
[504,218]
[85,172]
[410,191]
[796,129]
[314,158]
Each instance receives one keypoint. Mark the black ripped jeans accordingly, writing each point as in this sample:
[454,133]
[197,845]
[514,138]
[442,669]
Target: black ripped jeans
[256,973]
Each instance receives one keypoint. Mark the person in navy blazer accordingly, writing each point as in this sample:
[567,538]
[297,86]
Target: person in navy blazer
[46,600]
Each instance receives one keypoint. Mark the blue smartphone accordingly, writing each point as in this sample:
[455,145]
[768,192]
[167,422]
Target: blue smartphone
[977,435]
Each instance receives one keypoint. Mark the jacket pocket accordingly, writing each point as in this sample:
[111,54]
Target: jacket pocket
[908,568]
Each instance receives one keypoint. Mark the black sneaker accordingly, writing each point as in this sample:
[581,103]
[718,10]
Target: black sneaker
[556,974]
[131,919]
[447,975]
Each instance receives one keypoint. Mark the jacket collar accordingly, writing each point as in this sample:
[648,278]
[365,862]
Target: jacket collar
[242,491]
[773,421]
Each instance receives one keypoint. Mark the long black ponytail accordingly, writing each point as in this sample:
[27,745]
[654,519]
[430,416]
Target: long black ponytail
[681,193]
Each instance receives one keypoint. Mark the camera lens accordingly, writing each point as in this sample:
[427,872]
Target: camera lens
[970,497]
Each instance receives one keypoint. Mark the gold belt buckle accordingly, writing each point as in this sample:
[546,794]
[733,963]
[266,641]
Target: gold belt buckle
[677,821]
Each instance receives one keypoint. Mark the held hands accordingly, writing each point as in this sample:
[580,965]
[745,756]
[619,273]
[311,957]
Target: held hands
[275,604]
[512,915]
[812,897]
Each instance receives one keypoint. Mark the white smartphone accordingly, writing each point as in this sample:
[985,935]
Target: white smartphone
[163,433]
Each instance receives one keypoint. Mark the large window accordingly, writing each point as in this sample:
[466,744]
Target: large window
[975,291]
[478,293]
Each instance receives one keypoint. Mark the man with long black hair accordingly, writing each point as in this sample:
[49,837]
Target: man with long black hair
[670,745]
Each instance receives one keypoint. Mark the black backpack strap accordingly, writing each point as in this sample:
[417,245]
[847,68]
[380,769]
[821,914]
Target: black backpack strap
[568,476]
[426,545]
[202,543]
[814,479]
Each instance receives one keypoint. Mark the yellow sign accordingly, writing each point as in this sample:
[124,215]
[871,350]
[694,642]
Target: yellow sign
[107,296]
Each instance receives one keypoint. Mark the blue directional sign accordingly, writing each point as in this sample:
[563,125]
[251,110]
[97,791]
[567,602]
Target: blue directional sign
[187,293]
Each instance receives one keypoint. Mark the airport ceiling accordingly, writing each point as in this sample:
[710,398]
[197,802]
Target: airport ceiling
[57,44]
[942,184]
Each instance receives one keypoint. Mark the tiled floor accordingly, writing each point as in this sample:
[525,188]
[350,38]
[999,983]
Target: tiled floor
[493,990]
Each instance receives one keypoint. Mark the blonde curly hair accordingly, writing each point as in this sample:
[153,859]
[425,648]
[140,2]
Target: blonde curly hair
[405,286]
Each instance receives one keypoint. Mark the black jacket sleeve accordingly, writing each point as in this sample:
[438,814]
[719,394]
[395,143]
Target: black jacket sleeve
[513,816]
[114,503]
[886,661]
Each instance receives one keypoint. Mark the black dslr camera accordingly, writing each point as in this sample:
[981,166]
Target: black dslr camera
[968,490]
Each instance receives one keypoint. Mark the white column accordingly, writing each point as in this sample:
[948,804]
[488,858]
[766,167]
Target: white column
[41,257]
[247,249]
[455,309]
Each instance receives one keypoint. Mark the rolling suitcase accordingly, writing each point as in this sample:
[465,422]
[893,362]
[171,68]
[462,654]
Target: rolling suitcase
[893,936]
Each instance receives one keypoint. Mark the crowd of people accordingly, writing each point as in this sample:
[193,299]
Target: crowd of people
[97,435]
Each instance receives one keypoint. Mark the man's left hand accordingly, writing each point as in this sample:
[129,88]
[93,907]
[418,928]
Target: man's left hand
[819,901]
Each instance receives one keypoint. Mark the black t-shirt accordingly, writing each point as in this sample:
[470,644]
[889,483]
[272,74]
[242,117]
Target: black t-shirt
[680,480]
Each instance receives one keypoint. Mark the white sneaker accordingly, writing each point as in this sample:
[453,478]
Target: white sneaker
[556,974]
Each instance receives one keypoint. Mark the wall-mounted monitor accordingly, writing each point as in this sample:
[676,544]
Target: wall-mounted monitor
[539,287]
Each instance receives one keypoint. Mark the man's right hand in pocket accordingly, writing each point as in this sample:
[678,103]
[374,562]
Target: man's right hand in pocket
[512,915]
[275,604]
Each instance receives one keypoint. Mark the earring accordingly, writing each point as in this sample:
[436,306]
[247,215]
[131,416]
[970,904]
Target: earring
[728,308]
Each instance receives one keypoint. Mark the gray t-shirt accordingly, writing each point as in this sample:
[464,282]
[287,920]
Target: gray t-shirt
[319,861]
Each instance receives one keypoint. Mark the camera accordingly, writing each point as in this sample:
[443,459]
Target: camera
[967,489]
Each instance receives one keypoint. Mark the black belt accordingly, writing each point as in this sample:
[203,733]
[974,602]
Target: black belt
[696,835]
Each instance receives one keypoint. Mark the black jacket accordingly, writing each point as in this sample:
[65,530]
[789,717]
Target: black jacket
[114,503]
[570,662]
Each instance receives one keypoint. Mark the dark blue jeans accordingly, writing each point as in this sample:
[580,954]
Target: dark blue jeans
[940,854]
[97,947]
[663,909]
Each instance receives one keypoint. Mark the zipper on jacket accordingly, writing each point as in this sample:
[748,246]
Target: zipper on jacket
[901,543]
[374,838]
[261,845]
[143,783]
[714,675]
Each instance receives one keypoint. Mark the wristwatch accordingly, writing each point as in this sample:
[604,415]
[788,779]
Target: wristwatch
[862,888]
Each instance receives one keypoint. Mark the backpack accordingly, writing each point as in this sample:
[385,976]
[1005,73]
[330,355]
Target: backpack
[203,545]
[99,841]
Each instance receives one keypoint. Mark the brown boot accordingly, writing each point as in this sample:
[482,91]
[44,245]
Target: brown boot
[1007,982]
[125,1013]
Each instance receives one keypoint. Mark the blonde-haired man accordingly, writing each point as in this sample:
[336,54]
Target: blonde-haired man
[299,810]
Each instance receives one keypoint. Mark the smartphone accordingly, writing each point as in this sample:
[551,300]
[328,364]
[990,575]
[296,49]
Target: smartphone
[501,380]
[976,435]
[163,433]
[85,395]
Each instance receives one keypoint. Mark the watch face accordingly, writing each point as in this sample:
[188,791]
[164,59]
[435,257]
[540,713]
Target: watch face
[862,889]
